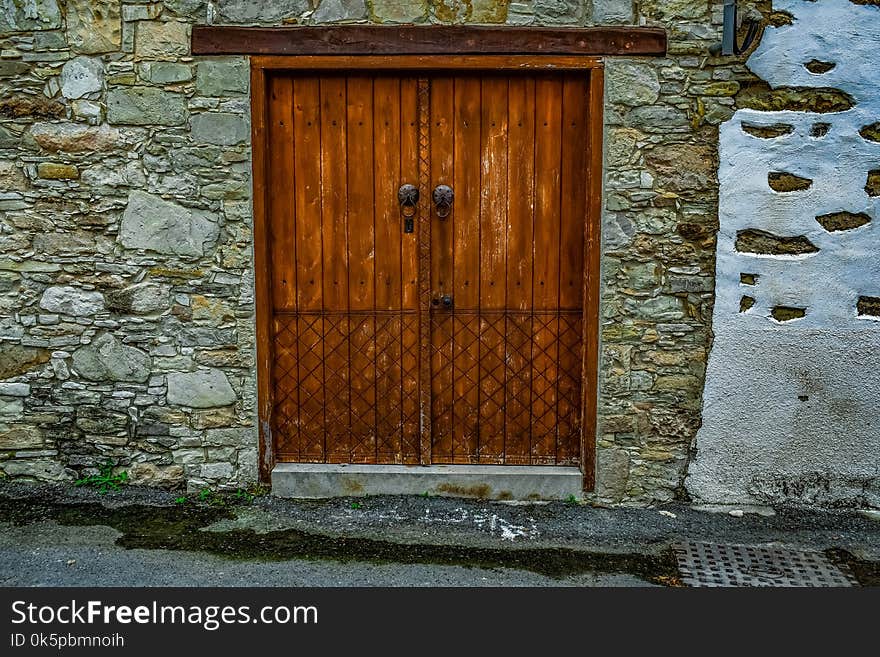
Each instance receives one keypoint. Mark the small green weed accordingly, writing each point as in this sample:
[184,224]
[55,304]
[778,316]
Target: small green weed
[105,480]
[211,498]
[180,500]
[242,495]
[572,499]
[357,505]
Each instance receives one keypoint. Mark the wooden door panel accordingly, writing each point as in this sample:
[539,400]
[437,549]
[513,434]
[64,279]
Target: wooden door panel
[346,364]
[513,336]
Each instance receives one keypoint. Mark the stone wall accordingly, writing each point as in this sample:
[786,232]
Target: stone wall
[126,306]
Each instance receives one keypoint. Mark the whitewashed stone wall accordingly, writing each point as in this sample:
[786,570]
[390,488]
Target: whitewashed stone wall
[790,409]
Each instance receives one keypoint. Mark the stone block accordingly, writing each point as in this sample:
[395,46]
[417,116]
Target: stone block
[25,15]
[68,300]
[613,12]
[74,137]
[612,473]
[15,389]
[399,11]
[96,420]
[154,224]
[632,84]
[258,11]
[230,437]
[165,72]
[220,128]
[94,26]
[57,171]
[81,76]
[16,359]
[144,12]
[20,436]
[161,40]
[145,106]
[108,359]
[200,389]
[220,77]
[11,406]
[11,176]
[112,174]
[217,471]
[681,167]
[339,11]
[559,12]
[40,469]
[13,69]
[140,299]
[193,8]
[149,474]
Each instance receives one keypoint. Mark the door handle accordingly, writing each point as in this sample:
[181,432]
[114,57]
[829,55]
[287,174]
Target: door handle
[444,300]
[443,197]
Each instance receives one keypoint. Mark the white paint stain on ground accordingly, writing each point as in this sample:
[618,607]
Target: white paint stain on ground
[484,520]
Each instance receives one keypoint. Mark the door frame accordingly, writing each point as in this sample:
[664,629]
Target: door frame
[262,66]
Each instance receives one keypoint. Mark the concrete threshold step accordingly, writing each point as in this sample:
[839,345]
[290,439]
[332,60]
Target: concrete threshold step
[496,482]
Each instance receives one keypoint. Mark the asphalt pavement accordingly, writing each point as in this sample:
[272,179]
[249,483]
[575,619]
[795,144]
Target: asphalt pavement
[59,535]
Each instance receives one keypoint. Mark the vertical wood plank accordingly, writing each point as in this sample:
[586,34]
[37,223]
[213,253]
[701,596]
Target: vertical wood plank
[334,234]
[262,263]
[283,272]
[548,155]
[307,193]
[424,259]
[520,209]
[307,196]
[409,276]
[493,274]
[389,229]
[466,274]
[571,258]
[361,270]
[442,95]
[592,245]
[281,206]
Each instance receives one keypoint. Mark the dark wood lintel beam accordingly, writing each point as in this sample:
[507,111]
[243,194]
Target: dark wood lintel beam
[427,40]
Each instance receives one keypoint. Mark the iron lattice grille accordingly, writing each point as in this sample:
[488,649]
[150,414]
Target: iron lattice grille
[713,565]
[506,386]
[346,387]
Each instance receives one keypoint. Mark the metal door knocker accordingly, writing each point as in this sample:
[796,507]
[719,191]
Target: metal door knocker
[443,196]
[408,197]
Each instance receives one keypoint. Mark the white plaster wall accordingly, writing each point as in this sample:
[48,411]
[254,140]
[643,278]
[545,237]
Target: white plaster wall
[791,410]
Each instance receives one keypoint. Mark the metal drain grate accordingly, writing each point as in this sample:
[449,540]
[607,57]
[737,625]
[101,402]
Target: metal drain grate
[711,564]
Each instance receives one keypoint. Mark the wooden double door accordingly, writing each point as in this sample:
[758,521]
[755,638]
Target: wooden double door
[427,245]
